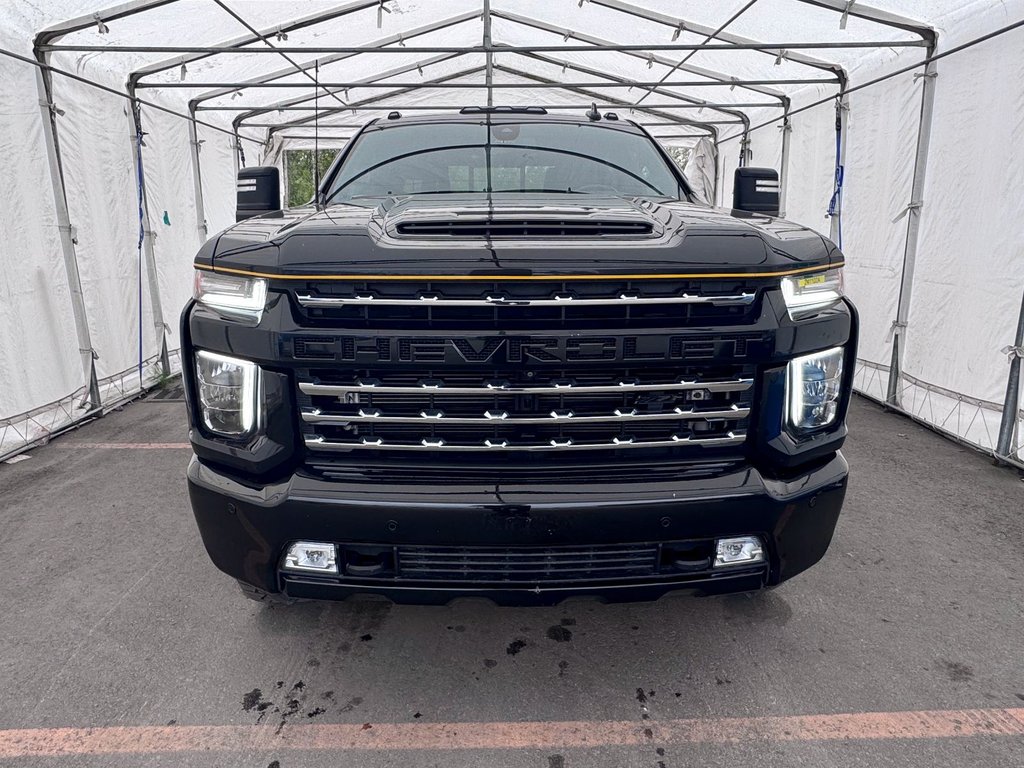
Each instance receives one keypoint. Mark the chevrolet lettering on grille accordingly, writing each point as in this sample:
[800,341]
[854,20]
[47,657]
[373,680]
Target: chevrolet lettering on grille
[516,349]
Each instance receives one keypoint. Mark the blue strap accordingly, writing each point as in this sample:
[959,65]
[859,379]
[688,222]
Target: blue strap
[837,192]
[141,187]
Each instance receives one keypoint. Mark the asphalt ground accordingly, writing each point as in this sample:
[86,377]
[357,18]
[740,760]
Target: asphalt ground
[121,645]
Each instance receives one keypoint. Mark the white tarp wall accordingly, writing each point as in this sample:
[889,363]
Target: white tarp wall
[965,290]
[39,360]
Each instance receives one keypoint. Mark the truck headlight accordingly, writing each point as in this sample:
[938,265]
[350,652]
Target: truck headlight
[228,389]
[806,295]
[813,389]
[231,295]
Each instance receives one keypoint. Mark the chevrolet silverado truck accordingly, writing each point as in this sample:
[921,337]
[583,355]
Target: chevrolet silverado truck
[510,355]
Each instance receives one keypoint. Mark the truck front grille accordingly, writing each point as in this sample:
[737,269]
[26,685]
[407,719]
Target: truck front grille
[525,410]
[489,564]
[547,304]
[506,372]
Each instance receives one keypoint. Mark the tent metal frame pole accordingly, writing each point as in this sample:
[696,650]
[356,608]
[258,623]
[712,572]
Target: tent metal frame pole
[68,240]
[613,48]
[238,17]
[652,84]
[622,103]
[254,37]
[269,77]
[913,212]
[836,219]
[368,104]
[253,110]
[120,11]
[787,130]
[148,235]
[598,43]
[875,15]
[689,102]
[489,72]
[276,106]
[1011,403]
[681,24]
[195,147]
[374,104]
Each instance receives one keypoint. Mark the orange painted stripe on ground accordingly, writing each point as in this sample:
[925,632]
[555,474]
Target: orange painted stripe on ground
[132,446]
[935,724]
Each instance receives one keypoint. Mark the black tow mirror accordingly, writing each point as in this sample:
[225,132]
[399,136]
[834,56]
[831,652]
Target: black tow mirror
[756,190]
[259,192]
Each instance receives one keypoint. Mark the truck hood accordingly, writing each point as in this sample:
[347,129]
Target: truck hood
[475,234]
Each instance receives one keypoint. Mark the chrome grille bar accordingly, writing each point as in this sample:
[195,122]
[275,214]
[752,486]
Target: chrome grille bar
[326,302]
[623,387]
[497,418]
[319,443]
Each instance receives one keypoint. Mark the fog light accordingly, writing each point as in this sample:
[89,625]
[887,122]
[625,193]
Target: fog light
[311,556]
[742,550]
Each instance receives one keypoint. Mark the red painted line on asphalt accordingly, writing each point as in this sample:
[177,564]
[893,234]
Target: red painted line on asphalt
[132,446]
[871,726]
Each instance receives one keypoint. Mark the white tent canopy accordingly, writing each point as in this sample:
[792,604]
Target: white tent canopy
[122,125]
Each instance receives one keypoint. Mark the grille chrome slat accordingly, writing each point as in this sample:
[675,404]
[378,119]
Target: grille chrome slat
[319,443]
[338,390]
[526,564]
[318,417]
[412,570]
[308,300]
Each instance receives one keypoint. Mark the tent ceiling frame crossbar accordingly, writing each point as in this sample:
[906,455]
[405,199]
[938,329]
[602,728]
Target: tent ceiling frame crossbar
[686,102]
[632,84]
[613,48]
[598,44]
[247,39]
[263,38]
[713,35]
[366,82]
[604,98]
[373,103]
[269,77]
[677,23]
[265,108]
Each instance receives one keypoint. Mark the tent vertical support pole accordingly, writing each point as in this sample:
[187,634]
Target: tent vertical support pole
[148,251]
[1011,403]
[489,69]
[44,88]
[197,174]
[238,153]
[787,129]
[718,173]
[913,212]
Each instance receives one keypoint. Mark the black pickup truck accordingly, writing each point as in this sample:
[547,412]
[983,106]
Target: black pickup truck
[510,355]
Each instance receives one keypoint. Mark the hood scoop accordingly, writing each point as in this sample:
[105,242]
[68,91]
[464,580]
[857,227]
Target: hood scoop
[523,228]
[506,218]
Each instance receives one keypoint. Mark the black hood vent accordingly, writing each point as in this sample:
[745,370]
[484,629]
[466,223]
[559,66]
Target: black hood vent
[541,228]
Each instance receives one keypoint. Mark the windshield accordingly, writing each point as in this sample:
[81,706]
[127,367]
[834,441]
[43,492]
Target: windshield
[442,157]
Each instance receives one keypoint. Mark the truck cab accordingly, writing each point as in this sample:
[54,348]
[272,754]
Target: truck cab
[507,354]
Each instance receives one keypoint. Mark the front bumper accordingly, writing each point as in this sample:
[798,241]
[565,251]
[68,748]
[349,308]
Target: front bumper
[247,528]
